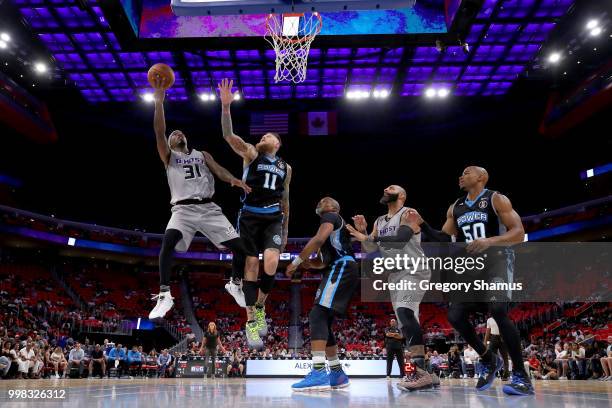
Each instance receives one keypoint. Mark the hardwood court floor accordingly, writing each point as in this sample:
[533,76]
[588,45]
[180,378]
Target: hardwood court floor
[276,393]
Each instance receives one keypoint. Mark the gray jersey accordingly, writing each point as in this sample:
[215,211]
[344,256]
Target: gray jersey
[388,228]
[189,177]
[403,298]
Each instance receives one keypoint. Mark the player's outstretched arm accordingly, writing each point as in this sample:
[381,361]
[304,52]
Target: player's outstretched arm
[448,229]
[245,150]
[159,123]
[285,207]
[360,233]
[223,174]
[313,245]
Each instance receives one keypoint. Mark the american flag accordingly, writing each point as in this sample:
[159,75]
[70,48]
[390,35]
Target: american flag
[263,122]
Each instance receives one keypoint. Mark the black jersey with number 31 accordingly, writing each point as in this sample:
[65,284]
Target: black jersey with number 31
[477,219]
[266,177]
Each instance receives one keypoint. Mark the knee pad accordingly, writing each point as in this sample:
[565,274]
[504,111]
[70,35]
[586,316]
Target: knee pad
[250,292]
[410,326]
[318,319]
[236,245]
[266,283]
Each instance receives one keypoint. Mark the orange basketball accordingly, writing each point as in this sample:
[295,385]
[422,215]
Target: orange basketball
[160,70]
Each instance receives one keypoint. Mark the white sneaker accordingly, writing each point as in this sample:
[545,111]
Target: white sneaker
[563,378]
[236,292]
[164,303]
[464,376]
[57,376]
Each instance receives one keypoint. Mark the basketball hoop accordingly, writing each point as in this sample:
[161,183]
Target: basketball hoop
[291,35]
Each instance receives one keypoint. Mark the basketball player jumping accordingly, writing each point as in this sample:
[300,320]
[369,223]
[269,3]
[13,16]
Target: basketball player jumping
[484,218]
[263,219]
[192,185]
[398,232]
[333,242]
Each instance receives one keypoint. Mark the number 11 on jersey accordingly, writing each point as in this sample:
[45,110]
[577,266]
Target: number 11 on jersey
[271,185]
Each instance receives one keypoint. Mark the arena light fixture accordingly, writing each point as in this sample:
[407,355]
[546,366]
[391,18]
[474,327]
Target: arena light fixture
[592,24]
[554,57]
[443,93]
[380,94]
[595,31]
[40,67]
[430,93]
[5,37]
[237,96]
[207,97]
[3,45]
[148,97]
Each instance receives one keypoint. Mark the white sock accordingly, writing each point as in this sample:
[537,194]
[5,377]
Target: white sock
[334,361]
[318,359]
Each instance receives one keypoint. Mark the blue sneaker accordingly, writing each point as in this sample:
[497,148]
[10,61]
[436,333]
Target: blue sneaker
[338,379]
[488,371]
[316,380]
[519,385]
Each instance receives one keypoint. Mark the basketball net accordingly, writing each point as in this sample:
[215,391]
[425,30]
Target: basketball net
[291,35]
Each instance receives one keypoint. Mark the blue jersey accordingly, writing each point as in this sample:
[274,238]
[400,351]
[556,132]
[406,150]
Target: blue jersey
[477,219]
[266,177]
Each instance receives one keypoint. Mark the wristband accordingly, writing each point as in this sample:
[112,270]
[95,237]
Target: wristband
[297,261]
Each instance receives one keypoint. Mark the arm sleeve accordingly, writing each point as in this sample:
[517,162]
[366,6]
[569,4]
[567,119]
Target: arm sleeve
[433,234]
[332,218]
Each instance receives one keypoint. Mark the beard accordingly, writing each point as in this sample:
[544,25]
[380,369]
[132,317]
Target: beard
[264,148]
[388,198]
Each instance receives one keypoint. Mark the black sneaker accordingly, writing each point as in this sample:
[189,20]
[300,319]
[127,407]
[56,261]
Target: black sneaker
[488,371]
[520,385]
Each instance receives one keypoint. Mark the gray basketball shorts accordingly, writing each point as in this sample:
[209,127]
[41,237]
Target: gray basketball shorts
[206,218]
[410,299]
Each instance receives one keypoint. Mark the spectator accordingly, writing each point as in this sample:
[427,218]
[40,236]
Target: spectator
[549,370]
[135,359]
[77,358]
[97,360]
[435,362]
[117,359]
[394,343]
[236,365]
[454,361]
[577,362]
[58,361]
[27,361]
[606,362]
[533,366]
[107,347]
[593,353]
[562,358]
[470,358]
[8,352]
[164,364]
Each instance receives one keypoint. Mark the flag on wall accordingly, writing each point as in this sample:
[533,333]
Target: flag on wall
[263,122]
[318,123]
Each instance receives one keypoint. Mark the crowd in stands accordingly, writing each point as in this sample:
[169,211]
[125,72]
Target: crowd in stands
[38,357]
[570,353]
